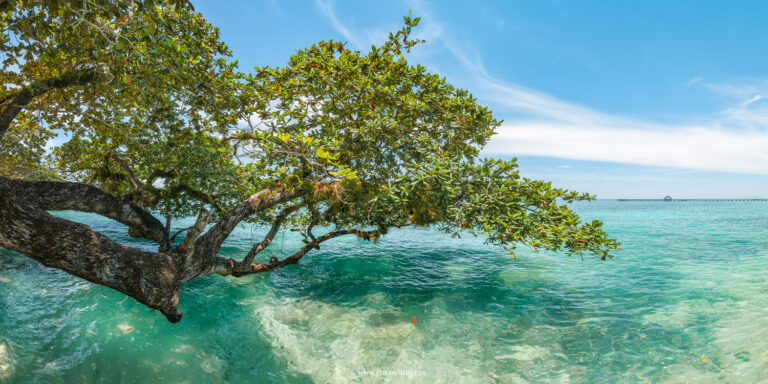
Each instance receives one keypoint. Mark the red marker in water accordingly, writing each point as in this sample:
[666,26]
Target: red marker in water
[414,320]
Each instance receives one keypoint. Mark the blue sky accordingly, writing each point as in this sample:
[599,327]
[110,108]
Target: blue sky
[622,99]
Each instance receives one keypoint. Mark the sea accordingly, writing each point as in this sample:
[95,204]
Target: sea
[684,301]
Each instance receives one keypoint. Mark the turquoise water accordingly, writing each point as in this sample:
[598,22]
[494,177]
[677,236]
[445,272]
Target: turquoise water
[690,284]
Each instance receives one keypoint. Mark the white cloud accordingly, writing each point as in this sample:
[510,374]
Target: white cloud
[734,140]
[692,147]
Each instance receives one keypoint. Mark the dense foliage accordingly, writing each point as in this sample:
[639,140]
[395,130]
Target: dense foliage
[157,112]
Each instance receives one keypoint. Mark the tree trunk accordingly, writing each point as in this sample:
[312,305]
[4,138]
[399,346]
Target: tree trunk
[150,278]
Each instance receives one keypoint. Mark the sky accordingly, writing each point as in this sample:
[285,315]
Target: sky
[619,99]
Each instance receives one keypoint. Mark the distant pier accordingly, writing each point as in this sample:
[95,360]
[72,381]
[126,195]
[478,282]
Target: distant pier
[692,199]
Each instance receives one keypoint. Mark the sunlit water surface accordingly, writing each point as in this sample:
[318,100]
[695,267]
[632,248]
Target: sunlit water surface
[685,301]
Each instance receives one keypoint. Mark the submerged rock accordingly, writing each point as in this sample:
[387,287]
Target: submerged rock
[6,361]
[184,348]
[526,353]
[211,364]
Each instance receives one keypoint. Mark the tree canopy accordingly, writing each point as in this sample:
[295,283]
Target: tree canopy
[153,119]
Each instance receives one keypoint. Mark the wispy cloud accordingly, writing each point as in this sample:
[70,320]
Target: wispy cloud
[326,7]
[752,100]
[694,81]
[539,124]
[749,109]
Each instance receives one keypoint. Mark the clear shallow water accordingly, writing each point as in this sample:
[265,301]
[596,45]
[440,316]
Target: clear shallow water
[691,283]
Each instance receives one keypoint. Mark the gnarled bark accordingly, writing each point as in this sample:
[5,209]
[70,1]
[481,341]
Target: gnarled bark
[150,278]
[209,244]
[58,196]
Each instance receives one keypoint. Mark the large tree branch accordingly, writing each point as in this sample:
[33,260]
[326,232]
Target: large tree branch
[227,266]
[150,278]
[9,112]
[270,235]
[208,245]
[188,245]
[57,196]
[190,263]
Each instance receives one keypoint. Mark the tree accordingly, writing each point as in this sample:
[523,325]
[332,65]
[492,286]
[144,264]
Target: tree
[159,123]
